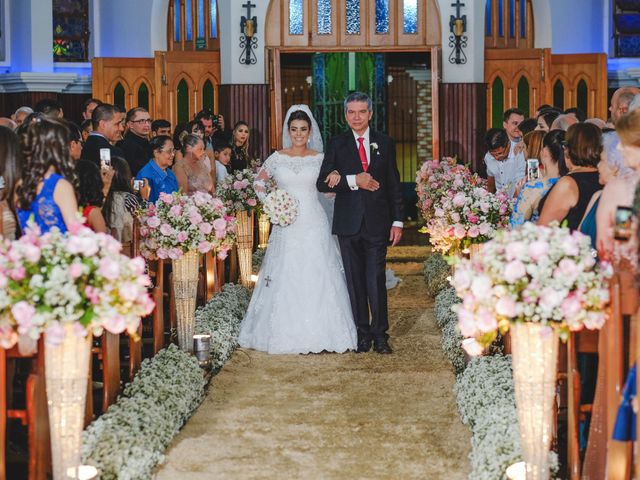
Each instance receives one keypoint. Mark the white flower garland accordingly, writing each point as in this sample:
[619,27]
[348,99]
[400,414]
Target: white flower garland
[436,273]
[129,440]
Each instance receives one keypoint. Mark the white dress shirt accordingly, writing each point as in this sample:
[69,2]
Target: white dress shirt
[508,172]
[351,179]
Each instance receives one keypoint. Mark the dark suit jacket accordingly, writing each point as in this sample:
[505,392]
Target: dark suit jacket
[91,149]
[379,209]
[137,151]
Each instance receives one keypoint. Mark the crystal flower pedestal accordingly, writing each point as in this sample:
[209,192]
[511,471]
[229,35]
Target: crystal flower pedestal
[535,362]
[66,369]
[185,290]
[264,228]
[244,232]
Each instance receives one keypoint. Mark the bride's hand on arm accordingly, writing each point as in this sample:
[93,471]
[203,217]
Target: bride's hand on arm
[333,179]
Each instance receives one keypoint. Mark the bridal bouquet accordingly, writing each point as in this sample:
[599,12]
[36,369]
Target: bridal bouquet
[472,215]
[440,179]
[178,223]
[79,279]
[237,191]
[545,275]
[281,207]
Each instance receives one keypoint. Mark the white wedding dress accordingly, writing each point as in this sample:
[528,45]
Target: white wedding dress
[300,303]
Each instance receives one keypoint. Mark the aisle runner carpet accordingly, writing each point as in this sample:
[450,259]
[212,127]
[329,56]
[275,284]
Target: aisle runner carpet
[332,416]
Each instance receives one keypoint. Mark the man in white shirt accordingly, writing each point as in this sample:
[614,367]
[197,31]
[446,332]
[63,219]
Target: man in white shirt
[505,166]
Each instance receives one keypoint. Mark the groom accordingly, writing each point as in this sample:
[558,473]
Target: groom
[368,214]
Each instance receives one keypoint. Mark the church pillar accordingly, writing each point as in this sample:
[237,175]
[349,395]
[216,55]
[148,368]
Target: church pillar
[463,93]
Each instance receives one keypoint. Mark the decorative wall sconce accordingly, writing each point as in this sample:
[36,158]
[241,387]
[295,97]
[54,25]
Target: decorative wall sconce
[248,40]
[457,39]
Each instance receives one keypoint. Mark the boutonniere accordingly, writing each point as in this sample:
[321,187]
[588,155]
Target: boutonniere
[374,147]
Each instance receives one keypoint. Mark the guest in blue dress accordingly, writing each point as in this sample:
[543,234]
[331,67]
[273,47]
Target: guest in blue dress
[46,194]
[553,166]
[157,172]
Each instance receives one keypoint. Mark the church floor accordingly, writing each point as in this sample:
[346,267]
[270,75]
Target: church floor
[330,416]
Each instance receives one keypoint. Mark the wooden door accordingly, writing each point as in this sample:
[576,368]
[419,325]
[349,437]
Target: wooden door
[182,79]
[275,97]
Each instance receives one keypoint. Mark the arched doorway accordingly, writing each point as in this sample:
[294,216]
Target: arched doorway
[319,51]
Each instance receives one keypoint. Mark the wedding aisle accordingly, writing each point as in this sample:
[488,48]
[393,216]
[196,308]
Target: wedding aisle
[329,416]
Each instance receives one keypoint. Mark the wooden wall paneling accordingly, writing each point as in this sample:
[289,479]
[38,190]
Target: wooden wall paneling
[381,39]
[288,39]
[436,68]
[463,138]
[417,38]
[324,39]
[249,103]
[354,39]
[433,31]
[275,97]
[130,72]
[274,35]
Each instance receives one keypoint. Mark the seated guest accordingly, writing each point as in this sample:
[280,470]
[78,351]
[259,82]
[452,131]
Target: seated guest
[121,200]
[527,125]
[159,176]
[576,112]
[621,101]
[563,122]
[8,123]
[20,114]
[192,172]
[598,122]
[45,191]
[10,166]
[76,142]
[50,108]
[552,166]
[106,130]
[135,144]
[90,196]
[88,107]
[222,154]
[160,127]
[569,197]
[505,167]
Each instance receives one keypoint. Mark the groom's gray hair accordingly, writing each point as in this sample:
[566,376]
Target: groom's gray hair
[358,97]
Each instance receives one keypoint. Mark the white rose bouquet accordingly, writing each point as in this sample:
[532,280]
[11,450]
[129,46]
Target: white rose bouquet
[546,275]
[281,207]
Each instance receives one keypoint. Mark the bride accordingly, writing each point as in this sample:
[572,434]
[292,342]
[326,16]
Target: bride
[300,303]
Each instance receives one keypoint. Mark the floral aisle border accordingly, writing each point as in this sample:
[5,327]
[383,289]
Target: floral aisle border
[129,440]
[484,387]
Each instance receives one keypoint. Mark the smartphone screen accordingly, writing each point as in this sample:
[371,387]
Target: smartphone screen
[533,169]
[623,221]
[105,157]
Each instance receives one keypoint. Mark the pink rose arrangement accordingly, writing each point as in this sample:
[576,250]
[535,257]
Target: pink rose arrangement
[439,179]
[546,275]
[237,191]
[178,223]
[471,215]
[80,278]
[281,207]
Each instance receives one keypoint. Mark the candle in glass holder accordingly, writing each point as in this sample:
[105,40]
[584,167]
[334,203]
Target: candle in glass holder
[201,347]
[82,472]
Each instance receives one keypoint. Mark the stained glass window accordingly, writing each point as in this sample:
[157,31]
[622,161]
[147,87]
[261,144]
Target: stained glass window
[324,17]
[213,8]
[118,95]
[143,96]
[497,102]
[70,30]
[523,18]
[353,16]
[2,30]
[410,16]
[182,94]
[512,18]
[200,18]
[177,13]
[295,17]
[582,96]
[487,18]
[523,95]
[188,20]
[500,19]
[207,95]
[382,16]
[558,95]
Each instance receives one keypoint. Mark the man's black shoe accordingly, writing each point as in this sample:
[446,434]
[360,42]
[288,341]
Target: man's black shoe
[364,345]
[382,346]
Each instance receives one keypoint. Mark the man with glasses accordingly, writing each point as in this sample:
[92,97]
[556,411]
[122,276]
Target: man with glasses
[505,167]
[135,144]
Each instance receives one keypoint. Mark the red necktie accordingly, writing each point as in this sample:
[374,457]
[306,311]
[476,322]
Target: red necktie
[363,154]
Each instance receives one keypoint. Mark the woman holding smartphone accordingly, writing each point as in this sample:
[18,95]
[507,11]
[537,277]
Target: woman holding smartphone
[547,149]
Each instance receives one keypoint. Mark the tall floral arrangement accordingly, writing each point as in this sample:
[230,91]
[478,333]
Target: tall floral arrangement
[545,275]
[439,179]
[237,191]
[178,223]
[471,215]
[79,279]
